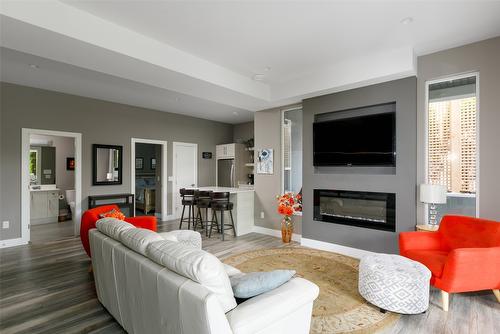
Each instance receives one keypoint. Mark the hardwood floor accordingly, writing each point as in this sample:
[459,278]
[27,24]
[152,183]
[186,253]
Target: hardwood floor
[45,288]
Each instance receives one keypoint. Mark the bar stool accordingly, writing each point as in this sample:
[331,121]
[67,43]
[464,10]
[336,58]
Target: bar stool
[189,201]
[220,202]
[202,199]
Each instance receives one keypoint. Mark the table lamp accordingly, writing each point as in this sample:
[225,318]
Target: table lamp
[432,194]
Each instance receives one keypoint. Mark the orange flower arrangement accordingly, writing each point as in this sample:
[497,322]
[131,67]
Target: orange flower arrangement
[288,204]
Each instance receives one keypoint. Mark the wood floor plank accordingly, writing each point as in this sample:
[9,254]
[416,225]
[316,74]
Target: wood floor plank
[45,288]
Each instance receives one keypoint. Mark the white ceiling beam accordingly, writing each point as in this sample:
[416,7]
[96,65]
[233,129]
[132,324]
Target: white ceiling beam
[47,21]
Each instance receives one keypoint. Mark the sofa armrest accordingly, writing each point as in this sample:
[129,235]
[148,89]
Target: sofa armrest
[262,311]
[147,222]
[418,240]
[471,269]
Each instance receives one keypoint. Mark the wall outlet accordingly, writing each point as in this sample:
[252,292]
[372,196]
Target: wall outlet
[262,215]
[5,224]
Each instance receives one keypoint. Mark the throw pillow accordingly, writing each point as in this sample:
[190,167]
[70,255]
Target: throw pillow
[253,284]
[197,265]
[113,214]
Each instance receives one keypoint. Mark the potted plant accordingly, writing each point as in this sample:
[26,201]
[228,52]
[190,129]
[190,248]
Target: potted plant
[288,204]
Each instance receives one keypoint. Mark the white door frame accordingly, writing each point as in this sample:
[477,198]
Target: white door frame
[174,172]
[25,178]
[426,133]
[164,169]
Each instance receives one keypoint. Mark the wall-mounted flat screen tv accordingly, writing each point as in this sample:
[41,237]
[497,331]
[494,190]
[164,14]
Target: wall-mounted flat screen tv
[356,141]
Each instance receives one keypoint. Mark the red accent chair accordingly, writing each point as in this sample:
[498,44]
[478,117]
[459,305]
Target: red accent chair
[463,255]
[90,217]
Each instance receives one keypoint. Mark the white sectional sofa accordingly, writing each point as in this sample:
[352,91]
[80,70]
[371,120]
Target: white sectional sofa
[164,283]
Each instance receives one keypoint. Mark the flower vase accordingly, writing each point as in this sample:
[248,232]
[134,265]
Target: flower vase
[286,229]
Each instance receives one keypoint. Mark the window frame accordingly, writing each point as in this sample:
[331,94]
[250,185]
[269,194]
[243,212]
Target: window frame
[426,132]
[282,143]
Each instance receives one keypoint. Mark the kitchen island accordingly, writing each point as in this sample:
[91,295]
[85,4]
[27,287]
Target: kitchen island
[243,210]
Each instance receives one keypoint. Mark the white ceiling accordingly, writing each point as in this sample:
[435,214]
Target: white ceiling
[60,77]
[209,50]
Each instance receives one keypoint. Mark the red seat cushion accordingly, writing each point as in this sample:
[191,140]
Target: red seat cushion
[432,259]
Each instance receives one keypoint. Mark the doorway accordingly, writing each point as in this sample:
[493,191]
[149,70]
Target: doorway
[148,177]
[50,185]
[185,172]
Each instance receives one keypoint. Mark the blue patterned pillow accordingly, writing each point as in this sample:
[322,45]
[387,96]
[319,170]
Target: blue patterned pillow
[253,284]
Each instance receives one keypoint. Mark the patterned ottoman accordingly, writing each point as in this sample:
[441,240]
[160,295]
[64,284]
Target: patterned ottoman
[394,283]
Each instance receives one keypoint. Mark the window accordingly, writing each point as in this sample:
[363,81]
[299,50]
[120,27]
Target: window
[452,143]
[291,133]
[33,166]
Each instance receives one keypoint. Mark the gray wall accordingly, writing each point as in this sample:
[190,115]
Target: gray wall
[99,122]
[483,57]
[402,181]
[267,187]
[243,131]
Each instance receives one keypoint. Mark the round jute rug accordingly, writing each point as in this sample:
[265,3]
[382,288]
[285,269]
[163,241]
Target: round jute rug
[339,307]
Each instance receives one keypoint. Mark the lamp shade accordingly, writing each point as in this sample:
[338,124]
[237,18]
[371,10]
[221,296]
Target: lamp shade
[432,193]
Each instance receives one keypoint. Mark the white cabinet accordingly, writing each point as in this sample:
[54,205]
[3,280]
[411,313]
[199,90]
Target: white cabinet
[226,151]
[44,206]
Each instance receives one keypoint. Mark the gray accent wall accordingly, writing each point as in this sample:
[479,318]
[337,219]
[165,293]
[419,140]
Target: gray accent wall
[99,122]
[401,181]
[482,57]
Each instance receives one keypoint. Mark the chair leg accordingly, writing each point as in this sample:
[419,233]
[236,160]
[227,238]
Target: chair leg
[497,294]
[445,297]
[206,222]
[189,217]
[222,224]
[199,218]
[212,223]
[182,217]
[232,221]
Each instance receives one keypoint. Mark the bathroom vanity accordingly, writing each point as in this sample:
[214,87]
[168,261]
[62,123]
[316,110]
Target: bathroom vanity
[44,206]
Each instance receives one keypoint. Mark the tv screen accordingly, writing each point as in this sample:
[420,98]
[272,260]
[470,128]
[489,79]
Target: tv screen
[358,141]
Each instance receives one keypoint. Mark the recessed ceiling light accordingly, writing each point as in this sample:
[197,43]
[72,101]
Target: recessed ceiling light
[33,66]
[407,20]
[258,77]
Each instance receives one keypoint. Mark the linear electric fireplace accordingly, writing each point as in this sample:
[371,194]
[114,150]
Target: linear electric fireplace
[357,208]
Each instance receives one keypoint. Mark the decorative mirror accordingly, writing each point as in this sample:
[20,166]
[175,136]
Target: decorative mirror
[107,164]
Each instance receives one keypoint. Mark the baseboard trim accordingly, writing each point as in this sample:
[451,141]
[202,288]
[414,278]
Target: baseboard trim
[327,246]
[12,242]
[275,233]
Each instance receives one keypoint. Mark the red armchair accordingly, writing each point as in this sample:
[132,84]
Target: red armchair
[90,217]
[463,255]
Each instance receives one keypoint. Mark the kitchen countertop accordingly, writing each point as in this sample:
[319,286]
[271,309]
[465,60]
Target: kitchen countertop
[45,189]
[228,189]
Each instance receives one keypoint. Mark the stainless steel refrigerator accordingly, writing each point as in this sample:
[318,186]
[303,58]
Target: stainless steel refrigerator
[226,173]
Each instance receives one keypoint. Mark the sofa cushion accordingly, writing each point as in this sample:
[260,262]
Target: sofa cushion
[197,265]
[432,259]
[138,239]
[112,227]
[253,284]
[185,237]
